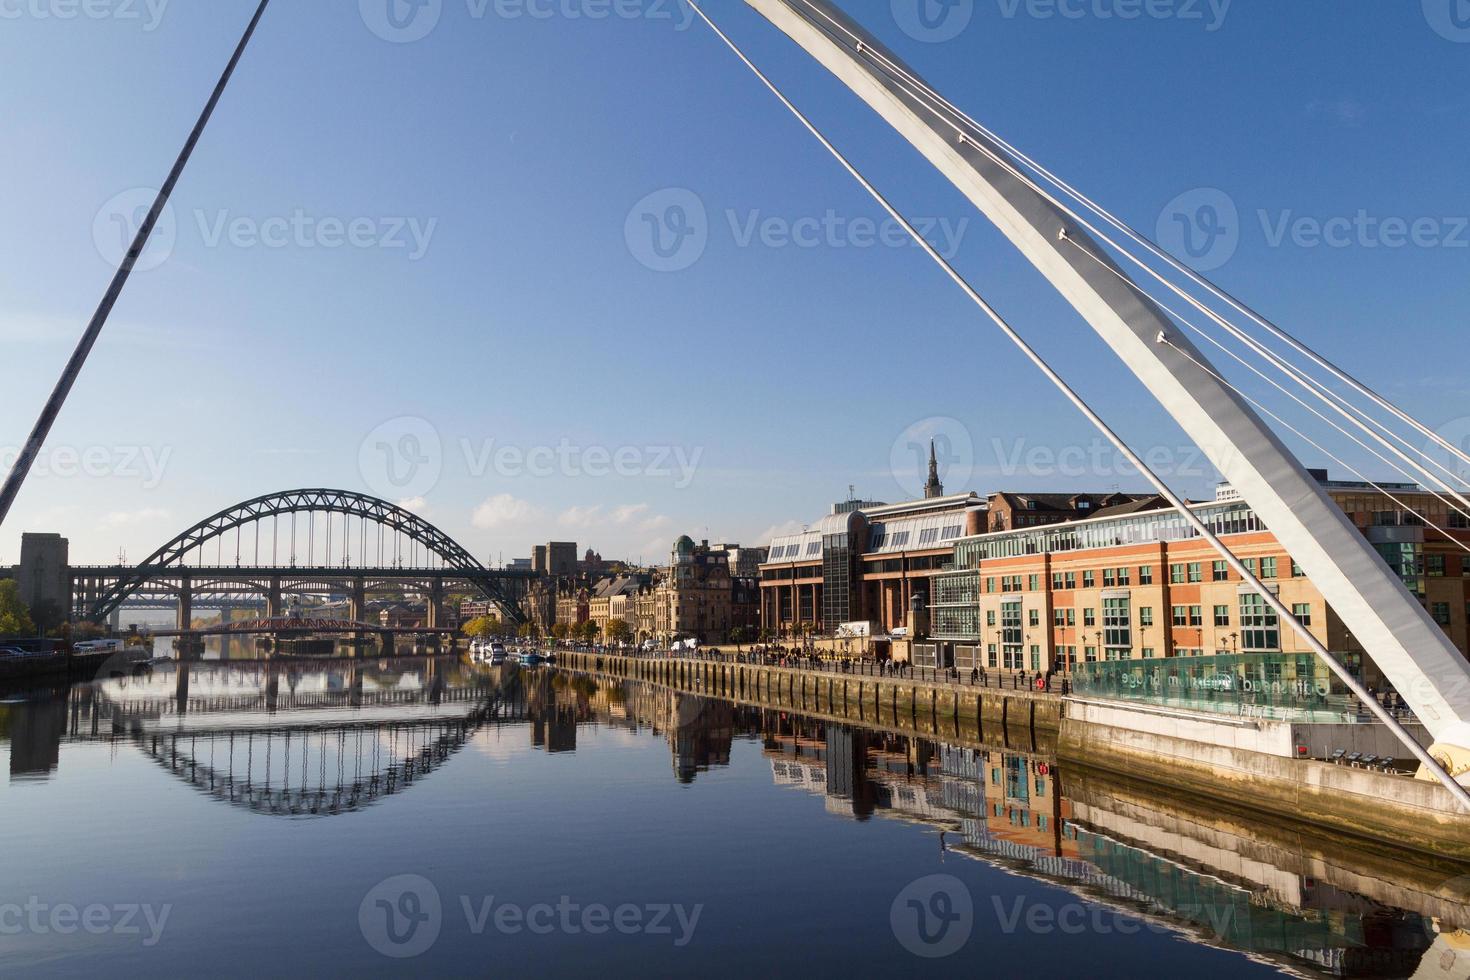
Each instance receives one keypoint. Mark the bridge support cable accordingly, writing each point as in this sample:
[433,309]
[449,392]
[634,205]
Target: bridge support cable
[964,127]
[1285,615]
[921,91]
[32,448]
[1206,335]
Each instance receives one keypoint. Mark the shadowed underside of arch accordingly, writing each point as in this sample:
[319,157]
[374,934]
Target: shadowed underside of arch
[379,512]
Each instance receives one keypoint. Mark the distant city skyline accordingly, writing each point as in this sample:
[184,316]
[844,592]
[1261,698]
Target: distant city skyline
[521,274]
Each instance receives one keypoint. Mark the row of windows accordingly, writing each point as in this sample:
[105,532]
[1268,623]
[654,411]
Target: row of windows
[1183,573]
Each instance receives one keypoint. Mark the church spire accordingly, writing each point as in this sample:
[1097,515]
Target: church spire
[933,488]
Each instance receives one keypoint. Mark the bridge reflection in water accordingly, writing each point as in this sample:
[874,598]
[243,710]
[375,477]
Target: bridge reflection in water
[317,740]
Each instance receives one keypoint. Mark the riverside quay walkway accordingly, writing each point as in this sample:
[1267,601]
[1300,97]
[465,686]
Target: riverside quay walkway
[926,701]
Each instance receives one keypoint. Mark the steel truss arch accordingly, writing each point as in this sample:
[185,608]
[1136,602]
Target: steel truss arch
[457,562]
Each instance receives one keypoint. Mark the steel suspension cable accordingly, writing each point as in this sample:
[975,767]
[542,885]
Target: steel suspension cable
[910,81]
[1178,317]
[1186,512]
[22,468]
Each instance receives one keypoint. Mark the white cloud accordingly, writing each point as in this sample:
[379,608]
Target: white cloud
[503,509]
[628,512]
[776,531]
[589,516]
[417,505]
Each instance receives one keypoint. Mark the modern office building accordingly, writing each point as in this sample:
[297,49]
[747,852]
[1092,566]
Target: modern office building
[1136,582]
[863,564]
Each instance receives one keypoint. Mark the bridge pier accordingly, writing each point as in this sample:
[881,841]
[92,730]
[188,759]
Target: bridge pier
[357,600]
[185,618]
[273,598]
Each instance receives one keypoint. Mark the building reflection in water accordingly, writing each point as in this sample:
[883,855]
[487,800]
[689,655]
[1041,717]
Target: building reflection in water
[302,740]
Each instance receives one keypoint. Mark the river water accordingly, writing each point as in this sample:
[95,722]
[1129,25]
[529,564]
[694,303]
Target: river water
[412,817]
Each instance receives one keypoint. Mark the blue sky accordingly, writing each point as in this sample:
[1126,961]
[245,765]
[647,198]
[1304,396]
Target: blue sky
[490,302]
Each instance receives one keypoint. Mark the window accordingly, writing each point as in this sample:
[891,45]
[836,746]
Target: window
[1010,623]
[1434,566]
[1303,613]
[1124,578]
[1176,574]
[1148,653]
[1181,615]
[1110,578]
[1196,572]
[1296,570]
[1117,624]
[1071,578]
[1268,568]
[1146,575]
[1146,616]
[990,656]
[1196,615]
[1090,654]
[1220,572]
[1250,566]
[990,584]
[1089,579]
[1033,583]
[1033,617]
[1056,581]
[990,617]
[1222,615]
[928,536]
[1059,617]
[1259,628]
[1442,613]
[1089,617]
[1036,658]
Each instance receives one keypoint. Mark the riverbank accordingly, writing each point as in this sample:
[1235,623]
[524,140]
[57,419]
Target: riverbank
[1243,763]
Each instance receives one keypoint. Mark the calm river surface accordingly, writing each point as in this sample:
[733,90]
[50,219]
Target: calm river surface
[383,818]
